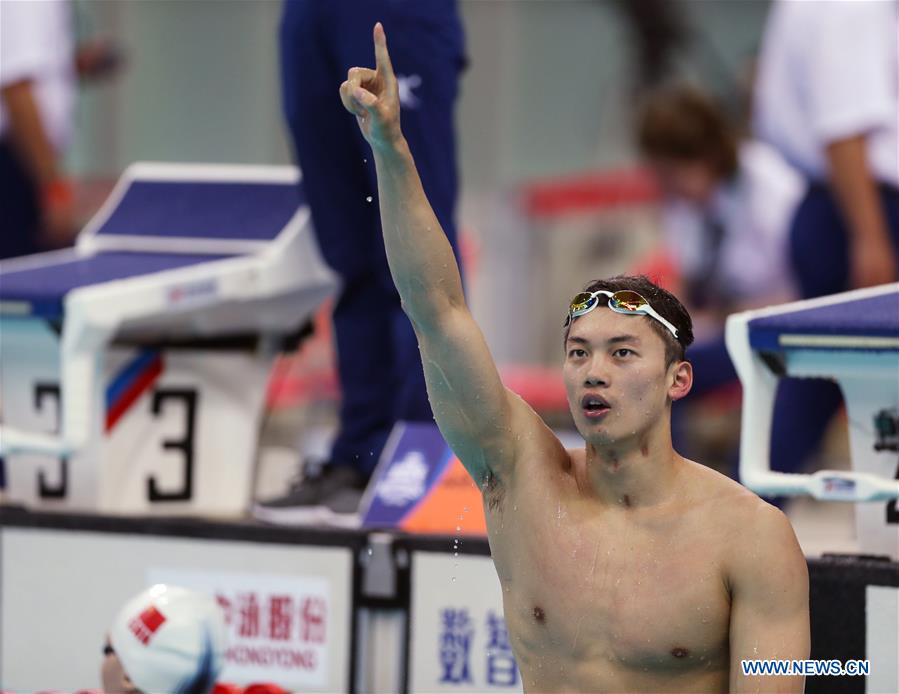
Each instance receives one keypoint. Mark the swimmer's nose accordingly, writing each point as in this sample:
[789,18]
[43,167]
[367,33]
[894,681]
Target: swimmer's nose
[596,371]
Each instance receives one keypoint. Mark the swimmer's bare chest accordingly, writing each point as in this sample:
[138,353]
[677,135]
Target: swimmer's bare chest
[613,599]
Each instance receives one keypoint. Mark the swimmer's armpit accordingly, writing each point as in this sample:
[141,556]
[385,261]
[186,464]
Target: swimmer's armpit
[493,491]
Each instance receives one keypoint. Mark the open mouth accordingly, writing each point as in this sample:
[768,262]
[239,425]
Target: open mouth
[594,406]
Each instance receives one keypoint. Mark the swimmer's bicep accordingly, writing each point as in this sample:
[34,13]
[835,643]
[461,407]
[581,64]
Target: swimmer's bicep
[769,601]
[471,406]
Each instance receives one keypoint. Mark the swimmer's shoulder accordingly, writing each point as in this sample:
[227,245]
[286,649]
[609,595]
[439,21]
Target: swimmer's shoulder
[712,484]
[729,499]
[747,520]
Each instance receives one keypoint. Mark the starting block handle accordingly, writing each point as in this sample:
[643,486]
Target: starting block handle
[825,485]
[81,363]
[14,441]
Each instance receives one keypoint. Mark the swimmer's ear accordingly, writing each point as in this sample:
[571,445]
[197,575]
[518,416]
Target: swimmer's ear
[681,375]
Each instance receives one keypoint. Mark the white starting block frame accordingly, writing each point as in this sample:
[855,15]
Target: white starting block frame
[853,339]
[179,252]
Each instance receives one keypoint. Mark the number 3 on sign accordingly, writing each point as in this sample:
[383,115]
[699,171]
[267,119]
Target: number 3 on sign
[47,395]
[184,445]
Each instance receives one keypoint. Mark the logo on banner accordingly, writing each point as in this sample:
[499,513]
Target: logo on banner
[405,480]
[146,624]
[274,629]
[278,628]
[456,637]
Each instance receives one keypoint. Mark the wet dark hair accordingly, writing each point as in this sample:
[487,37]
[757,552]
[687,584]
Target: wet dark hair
[666,305]
[683,123]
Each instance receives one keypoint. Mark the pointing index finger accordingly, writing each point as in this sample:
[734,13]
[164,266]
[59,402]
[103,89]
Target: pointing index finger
[382,57]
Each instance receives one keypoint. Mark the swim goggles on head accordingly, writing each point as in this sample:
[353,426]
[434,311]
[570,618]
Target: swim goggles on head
[624,301]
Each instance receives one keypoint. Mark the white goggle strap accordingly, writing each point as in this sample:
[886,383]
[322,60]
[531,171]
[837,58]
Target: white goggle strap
[652,312]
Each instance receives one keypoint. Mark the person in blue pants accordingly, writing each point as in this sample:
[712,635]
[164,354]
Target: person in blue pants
[826,96]
[820,251]
[380,373]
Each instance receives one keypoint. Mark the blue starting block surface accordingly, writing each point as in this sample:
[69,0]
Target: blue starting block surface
[870,323]
[203,209]
[40,290]
[161,218]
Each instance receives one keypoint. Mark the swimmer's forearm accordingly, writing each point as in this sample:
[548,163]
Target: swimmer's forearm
[421,259]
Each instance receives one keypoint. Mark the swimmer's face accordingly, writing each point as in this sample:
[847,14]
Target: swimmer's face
[617,382]
[688,179]
[115,680]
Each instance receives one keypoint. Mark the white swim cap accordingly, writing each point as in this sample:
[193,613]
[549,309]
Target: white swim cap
[170,639]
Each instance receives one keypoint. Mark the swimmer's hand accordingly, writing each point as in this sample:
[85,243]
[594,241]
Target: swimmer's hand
[373,97]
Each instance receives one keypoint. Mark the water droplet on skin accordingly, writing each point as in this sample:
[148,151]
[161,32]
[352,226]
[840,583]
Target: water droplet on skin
[368,199]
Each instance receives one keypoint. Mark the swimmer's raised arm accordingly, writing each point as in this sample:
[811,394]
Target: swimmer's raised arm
[768,577]
[475,413]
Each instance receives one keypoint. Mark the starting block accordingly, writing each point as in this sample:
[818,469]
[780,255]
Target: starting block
[853,339]
[133,366]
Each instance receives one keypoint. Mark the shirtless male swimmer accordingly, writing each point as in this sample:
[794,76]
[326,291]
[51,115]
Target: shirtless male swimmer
[624,566]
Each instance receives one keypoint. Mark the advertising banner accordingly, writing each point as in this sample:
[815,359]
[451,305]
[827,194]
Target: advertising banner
[458,641]
[288,606]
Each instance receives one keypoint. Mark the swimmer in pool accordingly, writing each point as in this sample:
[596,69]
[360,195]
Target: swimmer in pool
[624,566]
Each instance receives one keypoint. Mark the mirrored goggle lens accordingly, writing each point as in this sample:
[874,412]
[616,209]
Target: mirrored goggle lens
[582,302]
[628,301]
